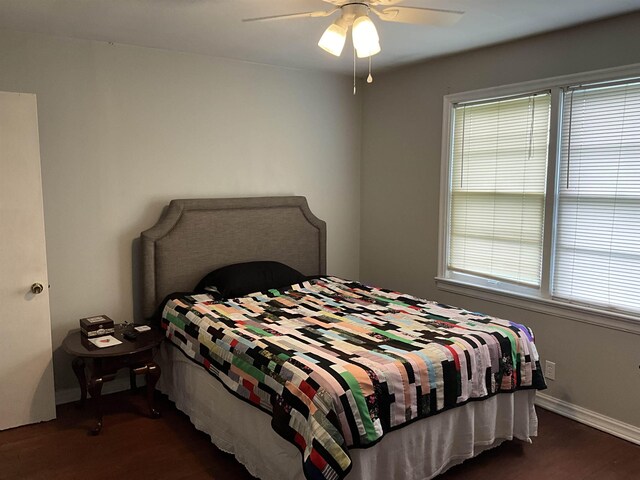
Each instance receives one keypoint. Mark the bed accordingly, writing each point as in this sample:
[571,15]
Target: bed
[276,428]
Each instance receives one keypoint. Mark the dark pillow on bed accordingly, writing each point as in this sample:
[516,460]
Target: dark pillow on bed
[242,278]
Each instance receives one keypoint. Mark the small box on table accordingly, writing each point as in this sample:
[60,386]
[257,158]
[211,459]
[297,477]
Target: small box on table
[96,326]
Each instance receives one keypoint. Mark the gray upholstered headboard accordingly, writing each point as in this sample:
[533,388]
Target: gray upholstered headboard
[196,236]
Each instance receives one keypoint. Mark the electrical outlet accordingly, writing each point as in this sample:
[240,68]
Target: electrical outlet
[550,370]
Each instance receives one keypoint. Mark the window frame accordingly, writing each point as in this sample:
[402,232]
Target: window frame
[530,298]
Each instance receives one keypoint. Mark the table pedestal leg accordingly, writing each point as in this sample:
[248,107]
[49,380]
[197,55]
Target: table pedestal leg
[152,376]
[132,380]
[152,373]
[78,369]
[95,389]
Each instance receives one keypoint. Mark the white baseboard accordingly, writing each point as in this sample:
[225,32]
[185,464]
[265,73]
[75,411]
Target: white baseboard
[69,395]
[593,419]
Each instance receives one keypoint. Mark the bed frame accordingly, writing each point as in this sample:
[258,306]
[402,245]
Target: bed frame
[196,236]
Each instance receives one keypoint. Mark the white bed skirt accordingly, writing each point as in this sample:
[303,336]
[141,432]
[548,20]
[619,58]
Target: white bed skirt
[418,451]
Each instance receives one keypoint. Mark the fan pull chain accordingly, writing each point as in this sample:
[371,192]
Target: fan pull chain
[354,70]
[370,78]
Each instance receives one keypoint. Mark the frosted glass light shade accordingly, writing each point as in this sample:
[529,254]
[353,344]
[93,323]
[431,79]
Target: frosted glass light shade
[365,37]
[370,52]
[333,39]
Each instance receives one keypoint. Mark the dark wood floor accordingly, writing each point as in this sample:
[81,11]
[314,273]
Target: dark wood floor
[132,446]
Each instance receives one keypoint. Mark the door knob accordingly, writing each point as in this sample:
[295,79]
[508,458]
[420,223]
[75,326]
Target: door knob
[37,288]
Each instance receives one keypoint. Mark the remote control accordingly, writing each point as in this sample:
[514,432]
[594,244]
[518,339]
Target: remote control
[130,335]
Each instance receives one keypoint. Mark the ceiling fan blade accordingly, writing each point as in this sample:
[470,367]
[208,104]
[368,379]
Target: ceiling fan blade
[320,13]
[371,3]
[419,16]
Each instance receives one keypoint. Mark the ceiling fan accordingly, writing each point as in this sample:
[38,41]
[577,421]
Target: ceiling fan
[356,15]
[366,41]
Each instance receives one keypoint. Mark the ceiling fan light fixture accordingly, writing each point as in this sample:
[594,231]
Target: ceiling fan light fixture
[365,37]
[334,37]
[373,49]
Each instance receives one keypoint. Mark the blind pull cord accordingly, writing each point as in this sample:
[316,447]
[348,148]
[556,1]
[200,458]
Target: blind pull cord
[464,123]
[354,70]
[569,137]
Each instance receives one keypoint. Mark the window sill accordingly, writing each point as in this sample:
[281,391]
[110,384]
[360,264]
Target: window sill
[577,313]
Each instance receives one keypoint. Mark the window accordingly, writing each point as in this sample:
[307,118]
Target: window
[542,192]
[498,178]
[597,256]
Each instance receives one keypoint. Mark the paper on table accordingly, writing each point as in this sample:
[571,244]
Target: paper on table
[105,341]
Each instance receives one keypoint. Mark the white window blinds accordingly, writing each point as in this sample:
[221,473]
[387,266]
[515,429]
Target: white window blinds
[597,259]
[499,163]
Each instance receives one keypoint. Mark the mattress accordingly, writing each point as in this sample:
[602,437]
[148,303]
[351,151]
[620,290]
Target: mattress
[339,365]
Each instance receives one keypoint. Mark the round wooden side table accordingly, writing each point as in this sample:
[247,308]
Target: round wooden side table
[136,355]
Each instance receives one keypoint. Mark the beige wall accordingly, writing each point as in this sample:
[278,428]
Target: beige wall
[124,129]
[597,368]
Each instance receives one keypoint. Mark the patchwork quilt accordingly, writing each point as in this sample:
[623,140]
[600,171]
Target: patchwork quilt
[338,364]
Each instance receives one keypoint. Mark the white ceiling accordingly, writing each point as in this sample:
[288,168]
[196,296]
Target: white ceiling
[213,27]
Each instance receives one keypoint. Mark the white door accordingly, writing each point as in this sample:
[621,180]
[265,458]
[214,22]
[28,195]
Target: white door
[26,366]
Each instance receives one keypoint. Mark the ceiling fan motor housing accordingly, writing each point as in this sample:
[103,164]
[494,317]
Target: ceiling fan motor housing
[351,11]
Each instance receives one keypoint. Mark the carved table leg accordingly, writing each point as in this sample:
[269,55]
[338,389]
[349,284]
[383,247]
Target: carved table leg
[78,369]
[132,380]
[95,389]
[152,376]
